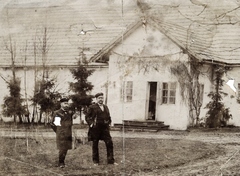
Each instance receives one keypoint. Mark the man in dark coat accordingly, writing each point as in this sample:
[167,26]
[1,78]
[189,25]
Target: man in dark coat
[62,119]
[99,120]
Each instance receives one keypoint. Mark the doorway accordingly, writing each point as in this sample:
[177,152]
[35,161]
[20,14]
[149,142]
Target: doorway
[152,99]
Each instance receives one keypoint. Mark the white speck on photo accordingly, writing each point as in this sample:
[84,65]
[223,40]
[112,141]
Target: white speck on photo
[57,121]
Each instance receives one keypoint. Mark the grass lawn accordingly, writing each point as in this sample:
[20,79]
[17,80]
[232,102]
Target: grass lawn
[134,156]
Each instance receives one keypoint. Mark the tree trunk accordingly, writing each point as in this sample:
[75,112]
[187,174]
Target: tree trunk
[20,118]
[40,117]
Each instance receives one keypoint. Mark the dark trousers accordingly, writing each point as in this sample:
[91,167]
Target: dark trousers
[101,132]
[109,147]
[62,155]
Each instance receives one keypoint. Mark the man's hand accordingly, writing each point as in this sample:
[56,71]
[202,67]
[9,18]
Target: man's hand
[76,114]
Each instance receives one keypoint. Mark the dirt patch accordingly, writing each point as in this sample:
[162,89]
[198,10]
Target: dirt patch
[134,155]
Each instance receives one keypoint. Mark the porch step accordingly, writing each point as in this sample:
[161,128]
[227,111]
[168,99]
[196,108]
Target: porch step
[141,126]
[143,123]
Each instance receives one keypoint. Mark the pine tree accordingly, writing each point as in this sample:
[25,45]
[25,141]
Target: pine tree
[81,87]
[218,114]
[46,97]
[13,103]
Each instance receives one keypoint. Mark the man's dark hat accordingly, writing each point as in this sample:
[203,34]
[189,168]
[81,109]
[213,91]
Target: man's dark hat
[64,100]
[99,94]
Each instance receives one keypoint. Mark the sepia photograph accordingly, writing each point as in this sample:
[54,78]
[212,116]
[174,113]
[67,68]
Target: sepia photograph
[119,87]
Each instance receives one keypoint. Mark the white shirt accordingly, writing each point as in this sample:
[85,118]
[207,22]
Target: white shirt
[101,106]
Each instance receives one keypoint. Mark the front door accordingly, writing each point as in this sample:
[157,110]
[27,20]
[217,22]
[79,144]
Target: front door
[152,99]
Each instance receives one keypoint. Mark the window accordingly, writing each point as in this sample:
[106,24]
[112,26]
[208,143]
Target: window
[127,91]
[168,93]
[165,93]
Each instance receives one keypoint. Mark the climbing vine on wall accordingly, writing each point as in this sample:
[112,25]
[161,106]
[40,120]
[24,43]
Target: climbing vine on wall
[143,64]
[187,74]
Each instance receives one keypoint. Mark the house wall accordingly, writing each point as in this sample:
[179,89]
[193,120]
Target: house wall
[230,101]
[62,75]
[175,115]
[205,79]
[145,46]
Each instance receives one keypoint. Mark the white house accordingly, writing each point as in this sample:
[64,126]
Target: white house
[141,85]
[132,54]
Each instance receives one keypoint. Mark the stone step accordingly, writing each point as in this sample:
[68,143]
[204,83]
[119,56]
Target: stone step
[144,123]
[139,127]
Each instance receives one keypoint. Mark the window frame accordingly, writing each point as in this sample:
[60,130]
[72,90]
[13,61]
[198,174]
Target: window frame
[168,93]
[127,91]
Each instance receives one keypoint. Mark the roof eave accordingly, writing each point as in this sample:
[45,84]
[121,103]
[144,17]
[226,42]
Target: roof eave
[208,61]
[116,41]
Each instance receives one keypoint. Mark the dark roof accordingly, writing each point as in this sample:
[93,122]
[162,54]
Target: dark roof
[209,32]
[103,23]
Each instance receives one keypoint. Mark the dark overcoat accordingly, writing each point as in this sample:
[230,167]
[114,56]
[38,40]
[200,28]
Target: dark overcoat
[64,132]
[98,129]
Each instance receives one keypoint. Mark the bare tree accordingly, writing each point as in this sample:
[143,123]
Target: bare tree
[25,82]
[13,103]
[36,86]
[43,96]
